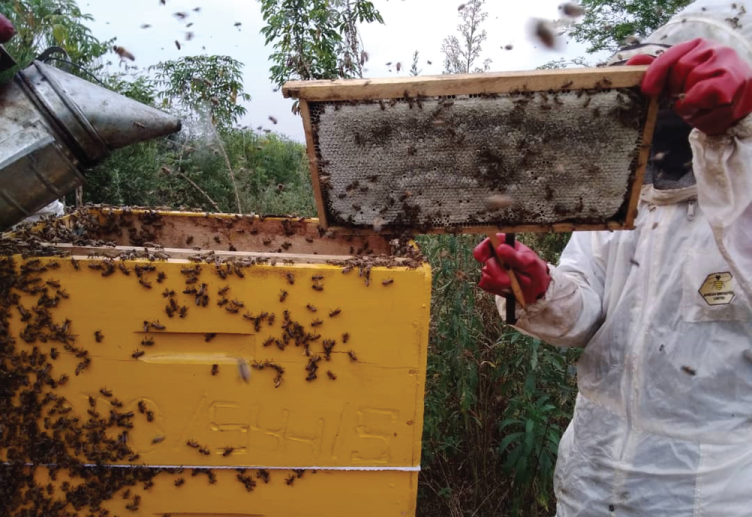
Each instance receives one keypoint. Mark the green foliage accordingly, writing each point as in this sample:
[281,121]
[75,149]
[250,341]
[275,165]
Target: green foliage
[203,84]
[608,23]
[316,39]
[461,54]
[497,401]
[44,23]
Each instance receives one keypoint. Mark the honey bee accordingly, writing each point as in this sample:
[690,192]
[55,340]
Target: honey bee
[54,354]
[263,475]
[141,407]
[282,296]
[227,451]
[346,269]
[290,278]
[105,392]
[224,290]
[147,341]
[316,278]
[311,308]
[316,322]
[345,337]
[290,480]
[123,53]
[136,354]
[179,482]
[317,287]
[274,120]
[352,355]
[133,457]
[98,336]
[168,293]
[161,276]
[183,311]
[215,369]
[177,44]
[232,309]
[115,402]
[127,493]
[204,451]
[388,281]
[144,283]
[331,375]
[74,263]
[53,283]
[335,312]
[150,416]
[189,240]
[157,326]
[193,444]
[157,439]
[268,341]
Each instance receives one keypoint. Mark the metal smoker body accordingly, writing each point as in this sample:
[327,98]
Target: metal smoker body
[53,126]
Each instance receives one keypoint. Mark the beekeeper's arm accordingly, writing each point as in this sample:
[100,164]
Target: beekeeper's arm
[564,302]
[714,88]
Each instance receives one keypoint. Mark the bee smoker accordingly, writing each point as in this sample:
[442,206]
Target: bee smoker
[54,126]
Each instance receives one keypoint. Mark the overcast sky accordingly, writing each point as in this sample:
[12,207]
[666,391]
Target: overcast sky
[409,25]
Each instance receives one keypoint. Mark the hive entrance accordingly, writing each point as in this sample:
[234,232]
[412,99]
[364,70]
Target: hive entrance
[426,162]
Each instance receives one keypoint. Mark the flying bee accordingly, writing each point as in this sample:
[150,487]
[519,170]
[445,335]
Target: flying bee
[136,354]
[274,120]
[335,312]
[98,336]
[147,341]
[352,355]
[123,53]
[215,369]
[282,296]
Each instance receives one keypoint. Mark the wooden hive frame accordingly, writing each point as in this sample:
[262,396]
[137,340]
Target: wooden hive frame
[550,81]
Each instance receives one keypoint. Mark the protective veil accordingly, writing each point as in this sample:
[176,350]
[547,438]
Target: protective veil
[663,420]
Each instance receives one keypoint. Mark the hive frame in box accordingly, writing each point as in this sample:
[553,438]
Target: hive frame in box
[549,81]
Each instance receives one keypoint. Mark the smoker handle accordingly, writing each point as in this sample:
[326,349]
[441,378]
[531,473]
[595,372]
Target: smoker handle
[516,295]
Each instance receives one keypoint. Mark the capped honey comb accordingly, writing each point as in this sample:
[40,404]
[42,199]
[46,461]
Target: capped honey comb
[430,162]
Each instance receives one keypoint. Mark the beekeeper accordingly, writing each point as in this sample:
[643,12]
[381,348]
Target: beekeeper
[663,419]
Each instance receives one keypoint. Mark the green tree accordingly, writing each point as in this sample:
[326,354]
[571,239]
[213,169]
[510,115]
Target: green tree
[607,24]
[316,39]
[414,71]
[41,24]
[210,84]
[461,54]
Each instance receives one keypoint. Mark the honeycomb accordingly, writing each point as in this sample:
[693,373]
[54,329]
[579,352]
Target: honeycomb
[427,163]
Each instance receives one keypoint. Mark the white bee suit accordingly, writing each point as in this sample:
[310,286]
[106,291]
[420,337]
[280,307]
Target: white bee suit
[663,419]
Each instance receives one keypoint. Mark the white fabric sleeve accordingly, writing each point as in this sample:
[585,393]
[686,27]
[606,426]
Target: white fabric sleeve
[723,168]
[571,310]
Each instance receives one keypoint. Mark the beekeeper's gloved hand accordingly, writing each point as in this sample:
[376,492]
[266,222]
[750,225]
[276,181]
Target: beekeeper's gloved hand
[7,31]
[531,270]
[712,84]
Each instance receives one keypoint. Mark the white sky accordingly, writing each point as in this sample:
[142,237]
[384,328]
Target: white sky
[409,25]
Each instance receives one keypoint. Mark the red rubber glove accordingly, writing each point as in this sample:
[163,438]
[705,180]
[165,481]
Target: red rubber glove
[532,272]
[713,84]
[7,31]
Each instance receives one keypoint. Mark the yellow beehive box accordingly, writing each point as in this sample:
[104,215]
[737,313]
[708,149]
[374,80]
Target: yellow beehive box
[286,357]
